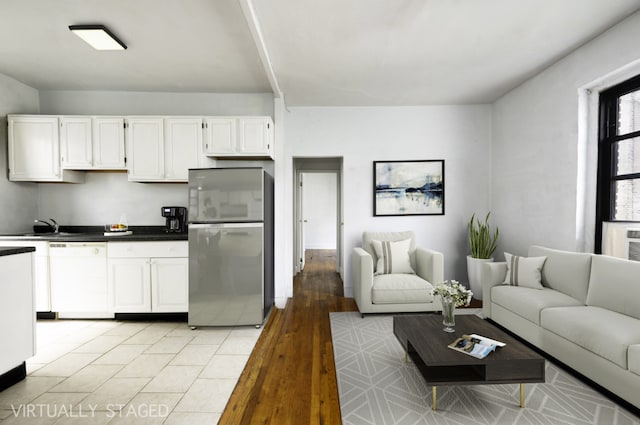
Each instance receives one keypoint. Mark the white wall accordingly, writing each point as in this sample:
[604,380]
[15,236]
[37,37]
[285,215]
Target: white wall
[105,196]
[461,135]
[543,174]
[320,206]
[18,201]
[150,103]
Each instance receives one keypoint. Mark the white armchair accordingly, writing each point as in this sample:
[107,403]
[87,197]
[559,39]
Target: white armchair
[379,288]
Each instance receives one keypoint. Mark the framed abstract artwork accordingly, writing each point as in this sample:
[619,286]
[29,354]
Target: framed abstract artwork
[408,187]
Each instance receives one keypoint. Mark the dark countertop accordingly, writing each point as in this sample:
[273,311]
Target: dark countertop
[96,234]
[16,250]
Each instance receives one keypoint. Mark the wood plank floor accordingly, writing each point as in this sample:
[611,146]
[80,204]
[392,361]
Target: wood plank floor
[290,377]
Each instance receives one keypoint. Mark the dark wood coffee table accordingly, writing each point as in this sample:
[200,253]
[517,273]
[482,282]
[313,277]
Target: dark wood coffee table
[425,343]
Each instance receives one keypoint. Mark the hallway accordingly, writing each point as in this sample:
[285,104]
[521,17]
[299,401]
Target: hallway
[290,376]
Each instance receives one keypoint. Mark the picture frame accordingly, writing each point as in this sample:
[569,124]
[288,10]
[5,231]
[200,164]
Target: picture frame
[404,188]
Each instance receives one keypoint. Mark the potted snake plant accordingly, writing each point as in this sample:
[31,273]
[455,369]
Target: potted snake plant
[483,243]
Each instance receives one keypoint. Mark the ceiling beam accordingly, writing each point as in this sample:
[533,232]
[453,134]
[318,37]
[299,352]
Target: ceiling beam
[258,39]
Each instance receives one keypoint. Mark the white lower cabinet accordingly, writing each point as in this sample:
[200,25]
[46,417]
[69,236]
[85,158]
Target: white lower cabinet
[130,280]
[169,285]
[149,277]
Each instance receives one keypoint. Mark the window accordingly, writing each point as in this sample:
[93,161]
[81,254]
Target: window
[619,155]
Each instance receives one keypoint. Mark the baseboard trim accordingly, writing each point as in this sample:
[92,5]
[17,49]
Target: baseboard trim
[151,317]
[13,376]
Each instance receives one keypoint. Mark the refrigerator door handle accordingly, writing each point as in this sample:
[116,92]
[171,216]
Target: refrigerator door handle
[196,226]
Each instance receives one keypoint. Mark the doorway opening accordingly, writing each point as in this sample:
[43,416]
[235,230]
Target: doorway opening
[317,209]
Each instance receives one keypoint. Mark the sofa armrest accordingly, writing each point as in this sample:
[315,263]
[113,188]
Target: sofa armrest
[362,271]
[633,358]
[492,274]
[430,265]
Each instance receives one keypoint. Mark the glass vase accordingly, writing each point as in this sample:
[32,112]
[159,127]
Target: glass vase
[448,314]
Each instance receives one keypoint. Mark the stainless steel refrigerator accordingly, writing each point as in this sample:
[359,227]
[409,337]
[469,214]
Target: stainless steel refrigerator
[230,226]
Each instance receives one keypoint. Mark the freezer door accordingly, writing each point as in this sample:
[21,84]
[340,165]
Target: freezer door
[226,267]
[226,195]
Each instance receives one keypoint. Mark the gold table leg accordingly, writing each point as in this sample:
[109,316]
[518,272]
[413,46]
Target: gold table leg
[521,395]
[434,397]
[406,357]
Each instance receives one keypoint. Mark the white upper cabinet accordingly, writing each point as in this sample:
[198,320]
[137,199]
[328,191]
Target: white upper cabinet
[239,137]
[92,143]
[34,150]
[255,136]
[50,148]
[108,143]
[183,147]
[145,148]
[220,136]
[75,143]
[163,149]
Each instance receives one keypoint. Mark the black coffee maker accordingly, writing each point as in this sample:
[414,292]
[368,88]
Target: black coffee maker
[176,219]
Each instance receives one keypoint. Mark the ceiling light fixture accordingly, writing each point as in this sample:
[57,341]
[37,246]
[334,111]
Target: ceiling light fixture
[98,36]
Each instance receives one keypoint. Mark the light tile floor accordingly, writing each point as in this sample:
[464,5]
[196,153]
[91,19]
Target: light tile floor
[110,372]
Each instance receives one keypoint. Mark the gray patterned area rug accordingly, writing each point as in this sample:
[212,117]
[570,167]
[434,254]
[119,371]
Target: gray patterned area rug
[377,387]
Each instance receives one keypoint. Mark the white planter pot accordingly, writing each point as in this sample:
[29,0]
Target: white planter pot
[474,272]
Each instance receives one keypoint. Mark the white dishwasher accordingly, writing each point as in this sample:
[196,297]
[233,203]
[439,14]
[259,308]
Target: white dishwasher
[79,285]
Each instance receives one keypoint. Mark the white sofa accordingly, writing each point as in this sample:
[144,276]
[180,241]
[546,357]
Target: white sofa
[587,315]
[396,292]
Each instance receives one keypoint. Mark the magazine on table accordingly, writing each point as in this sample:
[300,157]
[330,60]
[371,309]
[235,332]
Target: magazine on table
[475,345]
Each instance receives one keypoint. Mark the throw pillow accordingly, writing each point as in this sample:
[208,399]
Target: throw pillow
[523,271]
[393,257]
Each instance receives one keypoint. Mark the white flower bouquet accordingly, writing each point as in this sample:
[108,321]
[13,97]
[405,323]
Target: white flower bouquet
[452,290]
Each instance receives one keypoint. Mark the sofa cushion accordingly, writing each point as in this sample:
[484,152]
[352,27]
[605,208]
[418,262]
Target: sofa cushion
[634,358]
[393,257]
[527,302]
[603,332]
[615,285]
[400,289]
[523,271]
[565,271]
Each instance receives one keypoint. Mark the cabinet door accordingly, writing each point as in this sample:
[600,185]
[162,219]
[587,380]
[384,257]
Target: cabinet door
[183,147]
[220,136]
[34,150]
[75,143]
[108,143]
[170,285]
[145,149]
[254,136]
[130,283]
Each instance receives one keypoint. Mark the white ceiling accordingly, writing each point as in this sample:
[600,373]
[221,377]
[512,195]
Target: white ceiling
[323,52]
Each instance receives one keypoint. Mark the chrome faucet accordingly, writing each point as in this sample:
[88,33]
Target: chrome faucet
[53,225]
